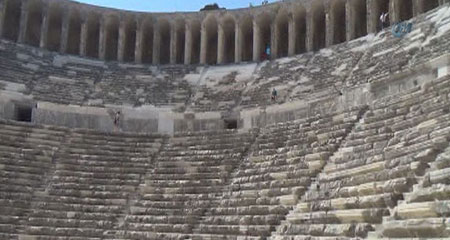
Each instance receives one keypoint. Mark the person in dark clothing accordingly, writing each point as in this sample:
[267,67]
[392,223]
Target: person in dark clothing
[274,94]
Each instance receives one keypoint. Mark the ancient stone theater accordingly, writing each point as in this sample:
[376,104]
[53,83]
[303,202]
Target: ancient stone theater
[292,120]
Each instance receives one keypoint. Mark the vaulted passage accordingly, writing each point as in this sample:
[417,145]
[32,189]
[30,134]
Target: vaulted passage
[229,36]
[34,23]
[12,19]
[195,42]
[318,26]
[282,34]
[428,5]
[111,37]
[210,40]
[164,42]
[379,7]
[54,27]
[74,33]
[130,40]
[247,39]
[180,41]
[262,37]
[338,21]
[359,9]
[147,41]
[405,8]
[300,30]
[93,35]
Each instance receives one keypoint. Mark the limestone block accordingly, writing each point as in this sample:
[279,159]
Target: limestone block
[279,175]
[440,176]
[417,210]
[288,200]
[432,193]
[413,228]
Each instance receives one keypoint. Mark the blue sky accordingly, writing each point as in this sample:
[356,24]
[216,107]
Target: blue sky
[170,5]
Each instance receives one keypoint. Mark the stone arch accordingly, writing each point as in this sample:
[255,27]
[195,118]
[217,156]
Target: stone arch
[228,25]
[147,40]
[281,47]
[338,21]
[299,14]
[55,18]
[111,37]
[163,28]
[92,34]
[12,19]
[195,44]
[210,40]
[246,43]
[359,21]
[428,5]
[34,23]
[262,36]
[180,40]
[318,25]
[405,9]
[129,38]
[74,32]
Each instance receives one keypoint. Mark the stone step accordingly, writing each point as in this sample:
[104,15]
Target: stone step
[373,215]
[327,230]
[242,230]
[423,210]
[269,219]
[432,193]
[413,228]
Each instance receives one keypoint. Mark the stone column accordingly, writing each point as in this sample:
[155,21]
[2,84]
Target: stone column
[122,40]
[188,44]
[417,7]
[139,41]
[173,43]
[84,34]
[350,18]
[44,26]
[102,39]
[274,38]
[65,30]
[204,45]
[293,35]
[256,42]
[329,25]
[309,31]
[156,44]
[2,16]
[221,45]
[394,11]
[23,22]
[372,18]
[238,43]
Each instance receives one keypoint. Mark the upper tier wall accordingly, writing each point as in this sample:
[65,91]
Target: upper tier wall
[208,37]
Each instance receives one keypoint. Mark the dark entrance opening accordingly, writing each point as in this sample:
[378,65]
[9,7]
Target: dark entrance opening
[230,124]
[23,113]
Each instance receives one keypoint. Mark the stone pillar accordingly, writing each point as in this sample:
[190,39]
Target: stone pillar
[122,40]
[221,45]
[156,44]
[256,42]
[274,38]
[417,7]
[329,25]
[173,44]
[293,35]
[350,20]
[238,43]
[44,26]
[372,18]
[84,34]
[394,11]
[204,45]
[102,39]
[23,22]
[65,30]
[309,31]
[2,16]
[188,44]
[139,41]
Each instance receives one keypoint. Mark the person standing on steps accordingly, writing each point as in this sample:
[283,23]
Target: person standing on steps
[384,20]
[117,118]
[274,94]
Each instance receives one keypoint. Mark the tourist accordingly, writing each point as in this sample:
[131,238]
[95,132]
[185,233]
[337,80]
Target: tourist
[117,120]
[274,94]
[384,20]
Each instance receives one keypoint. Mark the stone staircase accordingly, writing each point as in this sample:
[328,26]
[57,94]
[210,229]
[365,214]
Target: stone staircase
[269,183]
[380,161]
[189,177]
